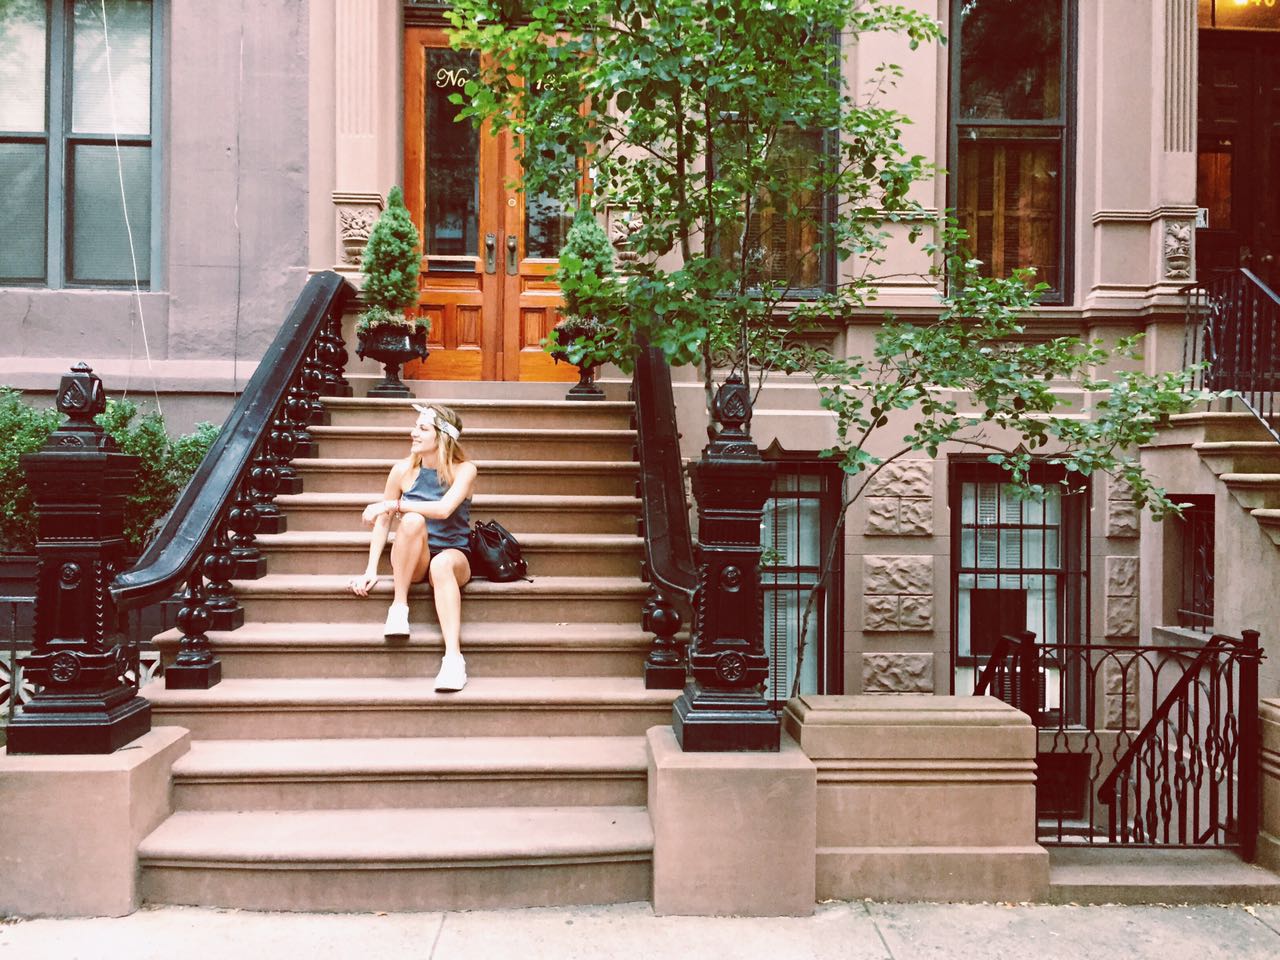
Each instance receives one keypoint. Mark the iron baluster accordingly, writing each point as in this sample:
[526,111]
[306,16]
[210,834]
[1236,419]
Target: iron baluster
[332,354]
[242,521]
[219,567]
[195,667]
[1250,744]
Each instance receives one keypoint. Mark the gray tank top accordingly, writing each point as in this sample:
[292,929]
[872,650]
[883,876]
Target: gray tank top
[453,532]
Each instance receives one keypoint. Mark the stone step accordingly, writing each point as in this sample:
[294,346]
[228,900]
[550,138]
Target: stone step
[1239,456]
[487,413]
[537,513]
[361,860]
[1117,875]
[411,772]
[1208,426]
[326,598]
[323,708]
[1270,522]
[362,376]
[548,554]
[287,650]
[483,443]
[1253,491]
[577,477]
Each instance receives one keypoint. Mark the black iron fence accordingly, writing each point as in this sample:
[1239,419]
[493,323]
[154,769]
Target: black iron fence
[1233,336]
[1139,744]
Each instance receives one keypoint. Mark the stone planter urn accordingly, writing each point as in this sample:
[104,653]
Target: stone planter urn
[391,344]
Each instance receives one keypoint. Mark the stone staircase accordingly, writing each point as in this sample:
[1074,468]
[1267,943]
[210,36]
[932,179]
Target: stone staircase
[325,772]
[1239,452]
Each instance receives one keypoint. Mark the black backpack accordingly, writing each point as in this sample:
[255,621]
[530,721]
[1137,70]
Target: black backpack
[495,553]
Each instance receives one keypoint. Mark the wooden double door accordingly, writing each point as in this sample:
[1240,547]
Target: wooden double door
[488,250]
[1238,154]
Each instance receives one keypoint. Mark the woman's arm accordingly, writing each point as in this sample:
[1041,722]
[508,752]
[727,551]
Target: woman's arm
[464,478]
[380,516]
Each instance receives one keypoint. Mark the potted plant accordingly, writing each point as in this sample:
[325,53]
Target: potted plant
[586,277]
[390,265]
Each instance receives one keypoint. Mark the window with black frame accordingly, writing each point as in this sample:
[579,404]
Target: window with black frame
[76,134]
[1016,564]
[781,234]
[1010,134]
[798,524]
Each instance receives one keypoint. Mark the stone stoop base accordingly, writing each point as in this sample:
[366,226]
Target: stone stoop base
[1269,835]
[922,797]
[69,837]
[733,832]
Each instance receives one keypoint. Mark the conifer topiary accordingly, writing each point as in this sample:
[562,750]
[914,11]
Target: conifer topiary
[586,264]
[391,263]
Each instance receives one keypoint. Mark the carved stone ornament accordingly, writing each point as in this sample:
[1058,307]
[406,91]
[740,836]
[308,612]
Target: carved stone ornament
[354,226]
[1177,250]
[356,213]
[623,225]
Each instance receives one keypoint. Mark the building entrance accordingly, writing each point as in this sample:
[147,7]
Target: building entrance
[1238,162]
[488,250]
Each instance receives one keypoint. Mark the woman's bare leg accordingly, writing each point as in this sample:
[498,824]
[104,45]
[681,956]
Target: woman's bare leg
[449,572]
[409,556]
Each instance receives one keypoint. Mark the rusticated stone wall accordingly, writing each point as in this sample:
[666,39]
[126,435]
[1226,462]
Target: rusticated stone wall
[899,501]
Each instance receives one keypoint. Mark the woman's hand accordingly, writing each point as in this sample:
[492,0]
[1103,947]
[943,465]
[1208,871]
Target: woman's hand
[362,583]
[375,510]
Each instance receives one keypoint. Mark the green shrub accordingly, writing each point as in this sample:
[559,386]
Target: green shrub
[165,465]
[23,429]
[391,263]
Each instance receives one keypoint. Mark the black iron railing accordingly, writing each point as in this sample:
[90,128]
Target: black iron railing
[669,560]
[1012,674]
[208,539]
[1233,336]
[1140,745]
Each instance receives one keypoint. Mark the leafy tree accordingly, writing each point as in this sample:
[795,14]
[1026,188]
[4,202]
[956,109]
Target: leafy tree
[391,264]
[695,118]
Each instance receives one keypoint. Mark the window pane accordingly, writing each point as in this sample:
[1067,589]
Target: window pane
[453,159]
[1010,59]
[111,81]
[22,228]
[99,240]
[1009,203]
[23,33]
[782,248]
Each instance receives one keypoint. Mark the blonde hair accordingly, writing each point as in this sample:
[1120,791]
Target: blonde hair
[449,450]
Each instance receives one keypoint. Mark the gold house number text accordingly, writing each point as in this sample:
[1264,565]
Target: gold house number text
[456,77]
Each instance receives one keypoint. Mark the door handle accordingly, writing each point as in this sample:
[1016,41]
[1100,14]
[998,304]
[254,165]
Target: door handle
[490,253]
[512,243]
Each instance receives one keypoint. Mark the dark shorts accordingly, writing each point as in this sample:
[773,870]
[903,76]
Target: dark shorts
[462,550]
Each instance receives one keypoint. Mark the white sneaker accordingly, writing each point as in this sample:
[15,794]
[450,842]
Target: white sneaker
[397,627]
[453,674]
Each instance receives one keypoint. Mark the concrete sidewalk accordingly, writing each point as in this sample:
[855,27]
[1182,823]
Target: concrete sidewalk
[849,931]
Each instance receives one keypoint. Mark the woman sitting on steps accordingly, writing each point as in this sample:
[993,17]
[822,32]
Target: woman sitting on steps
[430,493]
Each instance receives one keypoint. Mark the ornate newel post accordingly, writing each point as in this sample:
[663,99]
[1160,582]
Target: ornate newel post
[79,481]
[723,707]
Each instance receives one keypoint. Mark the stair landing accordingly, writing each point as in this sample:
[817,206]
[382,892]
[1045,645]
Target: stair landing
[1132,876]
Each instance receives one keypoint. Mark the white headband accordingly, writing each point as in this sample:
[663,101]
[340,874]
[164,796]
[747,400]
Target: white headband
[448,429]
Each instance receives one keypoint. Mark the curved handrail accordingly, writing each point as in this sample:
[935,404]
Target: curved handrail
[667,542]
[176,550]
[1107,792]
